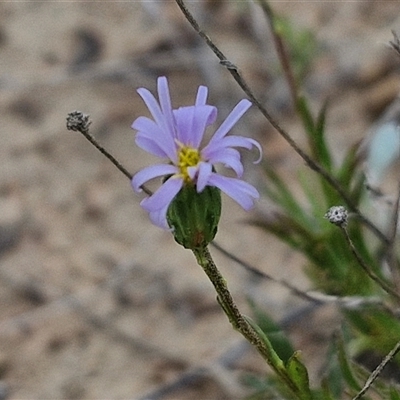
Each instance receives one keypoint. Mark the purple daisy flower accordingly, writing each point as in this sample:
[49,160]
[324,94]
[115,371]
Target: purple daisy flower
[176,135]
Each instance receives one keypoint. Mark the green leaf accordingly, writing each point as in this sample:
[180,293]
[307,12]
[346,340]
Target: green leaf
[307,119]
[287,229]
[348,169]
[379,330]
[272,330]
[321,147]
[346,367]
[326,392]
[282,195]
[314,196]
[394,393]
[301,43]
[299,374]
[273,357]
[332,382]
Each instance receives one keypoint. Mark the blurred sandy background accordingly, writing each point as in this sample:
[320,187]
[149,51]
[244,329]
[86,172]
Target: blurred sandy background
[95,302]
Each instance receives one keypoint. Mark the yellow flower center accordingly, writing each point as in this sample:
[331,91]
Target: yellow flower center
[187,157]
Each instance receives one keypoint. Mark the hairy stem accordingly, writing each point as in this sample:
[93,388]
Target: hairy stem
[242,323]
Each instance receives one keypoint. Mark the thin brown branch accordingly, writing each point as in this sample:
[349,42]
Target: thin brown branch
[377,371]
[261,274]
[234,71]
[80,122]
[388,289]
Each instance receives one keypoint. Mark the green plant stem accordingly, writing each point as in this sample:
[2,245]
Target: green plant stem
[242,323]
[388,289]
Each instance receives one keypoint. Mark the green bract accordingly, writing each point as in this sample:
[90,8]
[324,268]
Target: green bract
[194,216]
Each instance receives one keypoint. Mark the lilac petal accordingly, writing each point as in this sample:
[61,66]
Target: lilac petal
[201,97]
[191,123]
[247,143]
[233,141]
[165,102]
[240,141]
[147,125]
[184,122]
[204,173]
[151,172]
[152,139]
[153,106]
[159,218]
[240,191]
[150,145]
[168,135]
[192,172]
[149,130]
[163,195]
[212,116]
[229,157]
[155,130]
[231,119]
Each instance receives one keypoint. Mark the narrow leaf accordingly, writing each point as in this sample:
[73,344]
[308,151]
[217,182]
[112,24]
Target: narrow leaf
[299,374]
[345,366]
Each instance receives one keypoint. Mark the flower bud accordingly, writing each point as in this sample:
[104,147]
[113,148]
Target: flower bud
[194,216]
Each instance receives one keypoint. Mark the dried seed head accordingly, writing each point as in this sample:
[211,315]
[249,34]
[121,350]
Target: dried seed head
[337,215]
[78,121]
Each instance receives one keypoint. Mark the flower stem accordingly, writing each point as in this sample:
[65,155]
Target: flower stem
[388,289]
[241,323]
[80,122]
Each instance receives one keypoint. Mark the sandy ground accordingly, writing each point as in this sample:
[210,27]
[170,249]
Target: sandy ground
[95,301]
